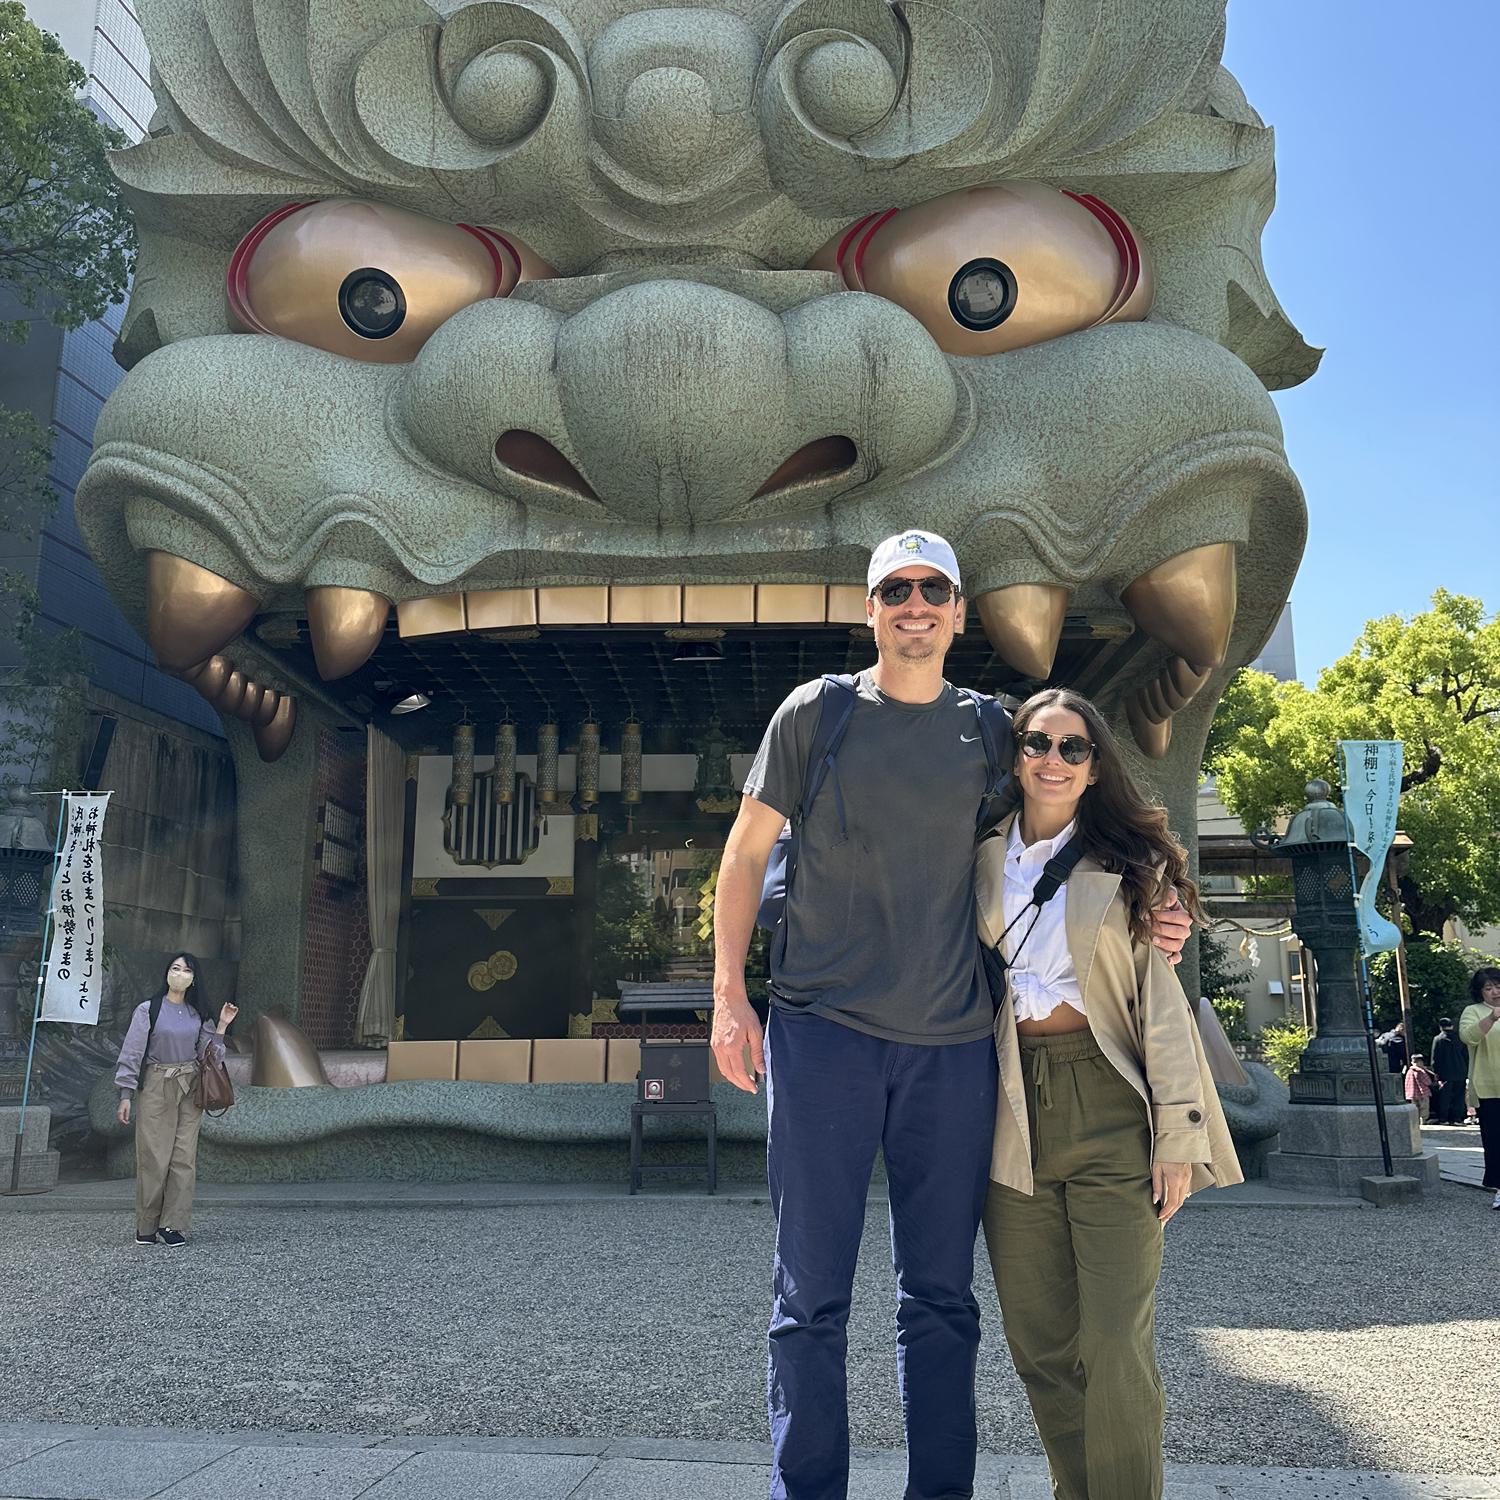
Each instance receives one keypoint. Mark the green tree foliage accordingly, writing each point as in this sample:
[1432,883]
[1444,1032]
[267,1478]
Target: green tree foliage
[1438,977]
[66,249]
[1282,1045]
[1230,1009]
[629,941]
[1249,703]
[66,239]
[1432,682]
[1218,973]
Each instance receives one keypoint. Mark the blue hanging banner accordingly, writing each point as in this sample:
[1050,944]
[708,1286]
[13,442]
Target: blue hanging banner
[1372,794]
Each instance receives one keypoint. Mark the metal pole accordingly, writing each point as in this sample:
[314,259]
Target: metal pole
[1403,985]
[1385,1139]
[1369,1015]
[36,1009]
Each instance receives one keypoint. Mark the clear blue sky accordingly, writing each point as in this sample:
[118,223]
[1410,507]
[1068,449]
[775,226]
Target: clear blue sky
[1385,249]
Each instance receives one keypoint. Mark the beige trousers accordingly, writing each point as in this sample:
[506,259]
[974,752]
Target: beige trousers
[167,1119]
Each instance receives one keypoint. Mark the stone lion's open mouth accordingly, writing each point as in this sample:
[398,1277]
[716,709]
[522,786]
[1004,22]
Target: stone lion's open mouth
[1026,634]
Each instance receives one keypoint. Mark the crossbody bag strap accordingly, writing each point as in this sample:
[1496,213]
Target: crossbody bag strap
[1052,879]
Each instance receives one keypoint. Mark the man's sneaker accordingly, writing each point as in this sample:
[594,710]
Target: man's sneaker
[171,1237]
[154,1238]
[1496,1203]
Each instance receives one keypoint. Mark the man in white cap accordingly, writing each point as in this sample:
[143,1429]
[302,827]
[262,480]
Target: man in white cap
[880,1029]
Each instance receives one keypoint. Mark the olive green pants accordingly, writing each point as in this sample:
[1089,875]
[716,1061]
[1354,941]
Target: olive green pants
[1076,1266]
[167,1120]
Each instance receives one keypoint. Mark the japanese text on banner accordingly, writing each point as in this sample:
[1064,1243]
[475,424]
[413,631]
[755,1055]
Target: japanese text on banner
[1372,796]
[75,956]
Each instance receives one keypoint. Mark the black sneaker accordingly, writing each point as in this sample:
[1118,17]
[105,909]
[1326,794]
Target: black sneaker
[171,1237]
[154,1238]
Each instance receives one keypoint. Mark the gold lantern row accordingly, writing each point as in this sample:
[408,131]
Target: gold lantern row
[588,763]
[463,765]
[503,788]
[546,765]
[630,763]
[547,747]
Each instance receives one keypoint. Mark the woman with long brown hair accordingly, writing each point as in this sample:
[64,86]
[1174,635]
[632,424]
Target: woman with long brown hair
[1107,1116]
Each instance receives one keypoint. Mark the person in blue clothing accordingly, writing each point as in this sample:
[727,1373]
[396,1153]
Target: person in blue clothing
[879,1032]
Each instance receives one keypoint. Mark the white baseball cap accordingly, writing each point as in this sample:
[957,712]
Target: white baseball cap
[912,547]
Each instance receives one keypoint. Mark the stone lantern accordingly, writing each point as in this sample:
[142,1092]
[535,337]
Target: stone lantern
[1331,1138]
[1335,1069]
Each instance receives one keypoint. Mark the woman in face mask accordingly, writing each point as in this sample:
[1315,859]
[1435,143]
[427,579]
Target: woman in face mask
[157,1076]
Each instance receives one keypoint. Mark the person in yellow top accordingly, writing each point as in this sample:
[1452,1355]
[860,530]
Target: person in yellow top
[1479,1031]
[1107,1115]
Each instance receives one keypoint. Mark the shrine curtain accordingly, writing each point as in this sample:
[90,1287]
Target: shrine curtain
[385,801]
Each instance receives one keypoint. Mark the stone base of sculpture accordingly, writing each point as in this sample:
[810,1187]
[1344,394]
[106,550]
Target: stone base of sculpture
[1330,1147]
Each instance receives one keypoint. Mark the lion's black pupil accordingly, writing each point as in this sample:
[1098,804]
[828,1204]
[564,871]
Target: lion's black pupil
[371,303]
[983,294]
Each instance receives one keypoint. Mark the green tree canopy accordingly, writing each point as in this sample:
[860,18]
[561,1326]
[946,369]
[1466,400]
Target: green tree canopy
[1432,682]
[66,239]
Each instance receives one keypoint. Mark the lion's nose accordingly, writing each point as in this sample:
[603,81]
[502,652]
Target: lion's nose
[685,403]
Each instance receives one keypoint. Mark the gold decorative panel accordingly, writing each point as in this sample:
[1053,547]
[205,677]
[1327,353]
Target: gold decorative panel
[443,614]
[718,603]
[488,1030]
[573,606]
[645,604]
[501,609]
[846,604]
[790,603]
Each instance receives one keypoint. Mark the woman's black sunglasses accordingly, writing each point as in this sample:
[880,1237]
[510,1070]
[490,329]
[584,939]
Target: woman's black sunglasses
[898,590]
[1072,747]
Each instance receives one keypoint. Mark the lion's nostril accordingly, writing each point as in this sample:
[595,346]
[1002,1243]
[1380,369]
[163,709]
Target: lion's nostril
[531,455]
[815,460]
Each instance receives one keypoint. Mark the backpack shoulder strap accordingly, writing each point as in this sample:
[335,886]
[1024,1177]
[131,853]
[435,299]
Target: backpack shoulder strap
[995,731]
[835,710]
[152,1016]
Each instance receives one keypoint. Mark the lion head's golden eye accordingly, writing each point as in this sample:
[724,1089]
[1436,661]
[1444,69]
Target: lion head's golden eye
[999,267]
[367,280]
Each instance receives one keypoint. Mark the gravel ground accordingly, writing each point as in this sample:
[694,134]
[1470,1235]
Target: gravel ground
[1328,1338]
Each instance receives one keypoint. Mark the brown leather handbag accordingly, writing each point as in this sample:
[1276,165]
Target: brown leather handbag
[214,1093]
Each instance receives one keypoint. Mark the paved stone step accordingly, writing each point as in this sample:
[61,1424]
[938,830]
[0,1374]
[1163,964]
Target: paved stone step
[40,1461]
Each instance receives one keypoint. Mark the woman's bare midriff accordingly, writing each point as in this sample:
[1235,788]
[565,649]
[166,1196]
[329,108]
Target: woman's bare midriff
[1059,1021]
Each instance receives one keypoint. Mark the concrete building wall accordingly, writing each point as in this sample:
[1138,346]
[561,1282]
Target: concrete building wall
[70,376]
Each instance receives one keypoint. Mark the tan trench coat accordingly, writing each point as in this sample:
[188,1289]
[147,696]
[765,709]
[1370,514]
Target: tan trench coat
[1139,1016]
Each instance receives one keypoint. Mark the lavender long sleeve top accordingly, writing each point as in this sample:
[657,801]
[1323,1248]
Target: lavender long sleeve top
[180,1036]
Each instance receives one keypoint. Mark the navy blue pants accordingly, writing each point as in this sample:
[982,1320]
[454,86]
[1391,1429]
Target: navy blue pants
[835,1096]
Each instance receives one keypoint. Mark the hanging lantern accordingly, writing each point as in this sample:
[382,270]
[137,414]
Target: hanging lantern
[546,764]
[630,763]
[588,763]
[504,774]
[463,765]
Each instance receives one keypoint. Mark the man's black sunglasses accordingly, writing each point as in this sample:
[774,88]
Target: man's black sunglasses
[898,590]
[1072,747]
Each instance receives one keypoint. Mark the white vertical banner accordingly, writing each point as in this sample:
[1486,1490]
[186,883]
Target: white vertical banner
[1372,795]
[75,957]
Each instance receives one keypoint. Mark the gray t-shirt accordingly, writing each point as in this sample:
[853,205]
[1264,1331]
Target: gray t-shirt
[880,920]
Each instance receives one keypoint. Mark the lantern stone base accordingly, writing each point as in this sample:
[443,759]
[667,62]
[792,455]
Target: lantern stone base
[39,1165]
[1385,1191]
[1331,1147]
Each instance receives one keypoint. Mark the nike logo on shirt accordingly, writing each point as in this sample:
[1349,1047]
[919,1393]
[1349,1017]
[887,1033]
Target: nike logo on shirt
[967,739]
